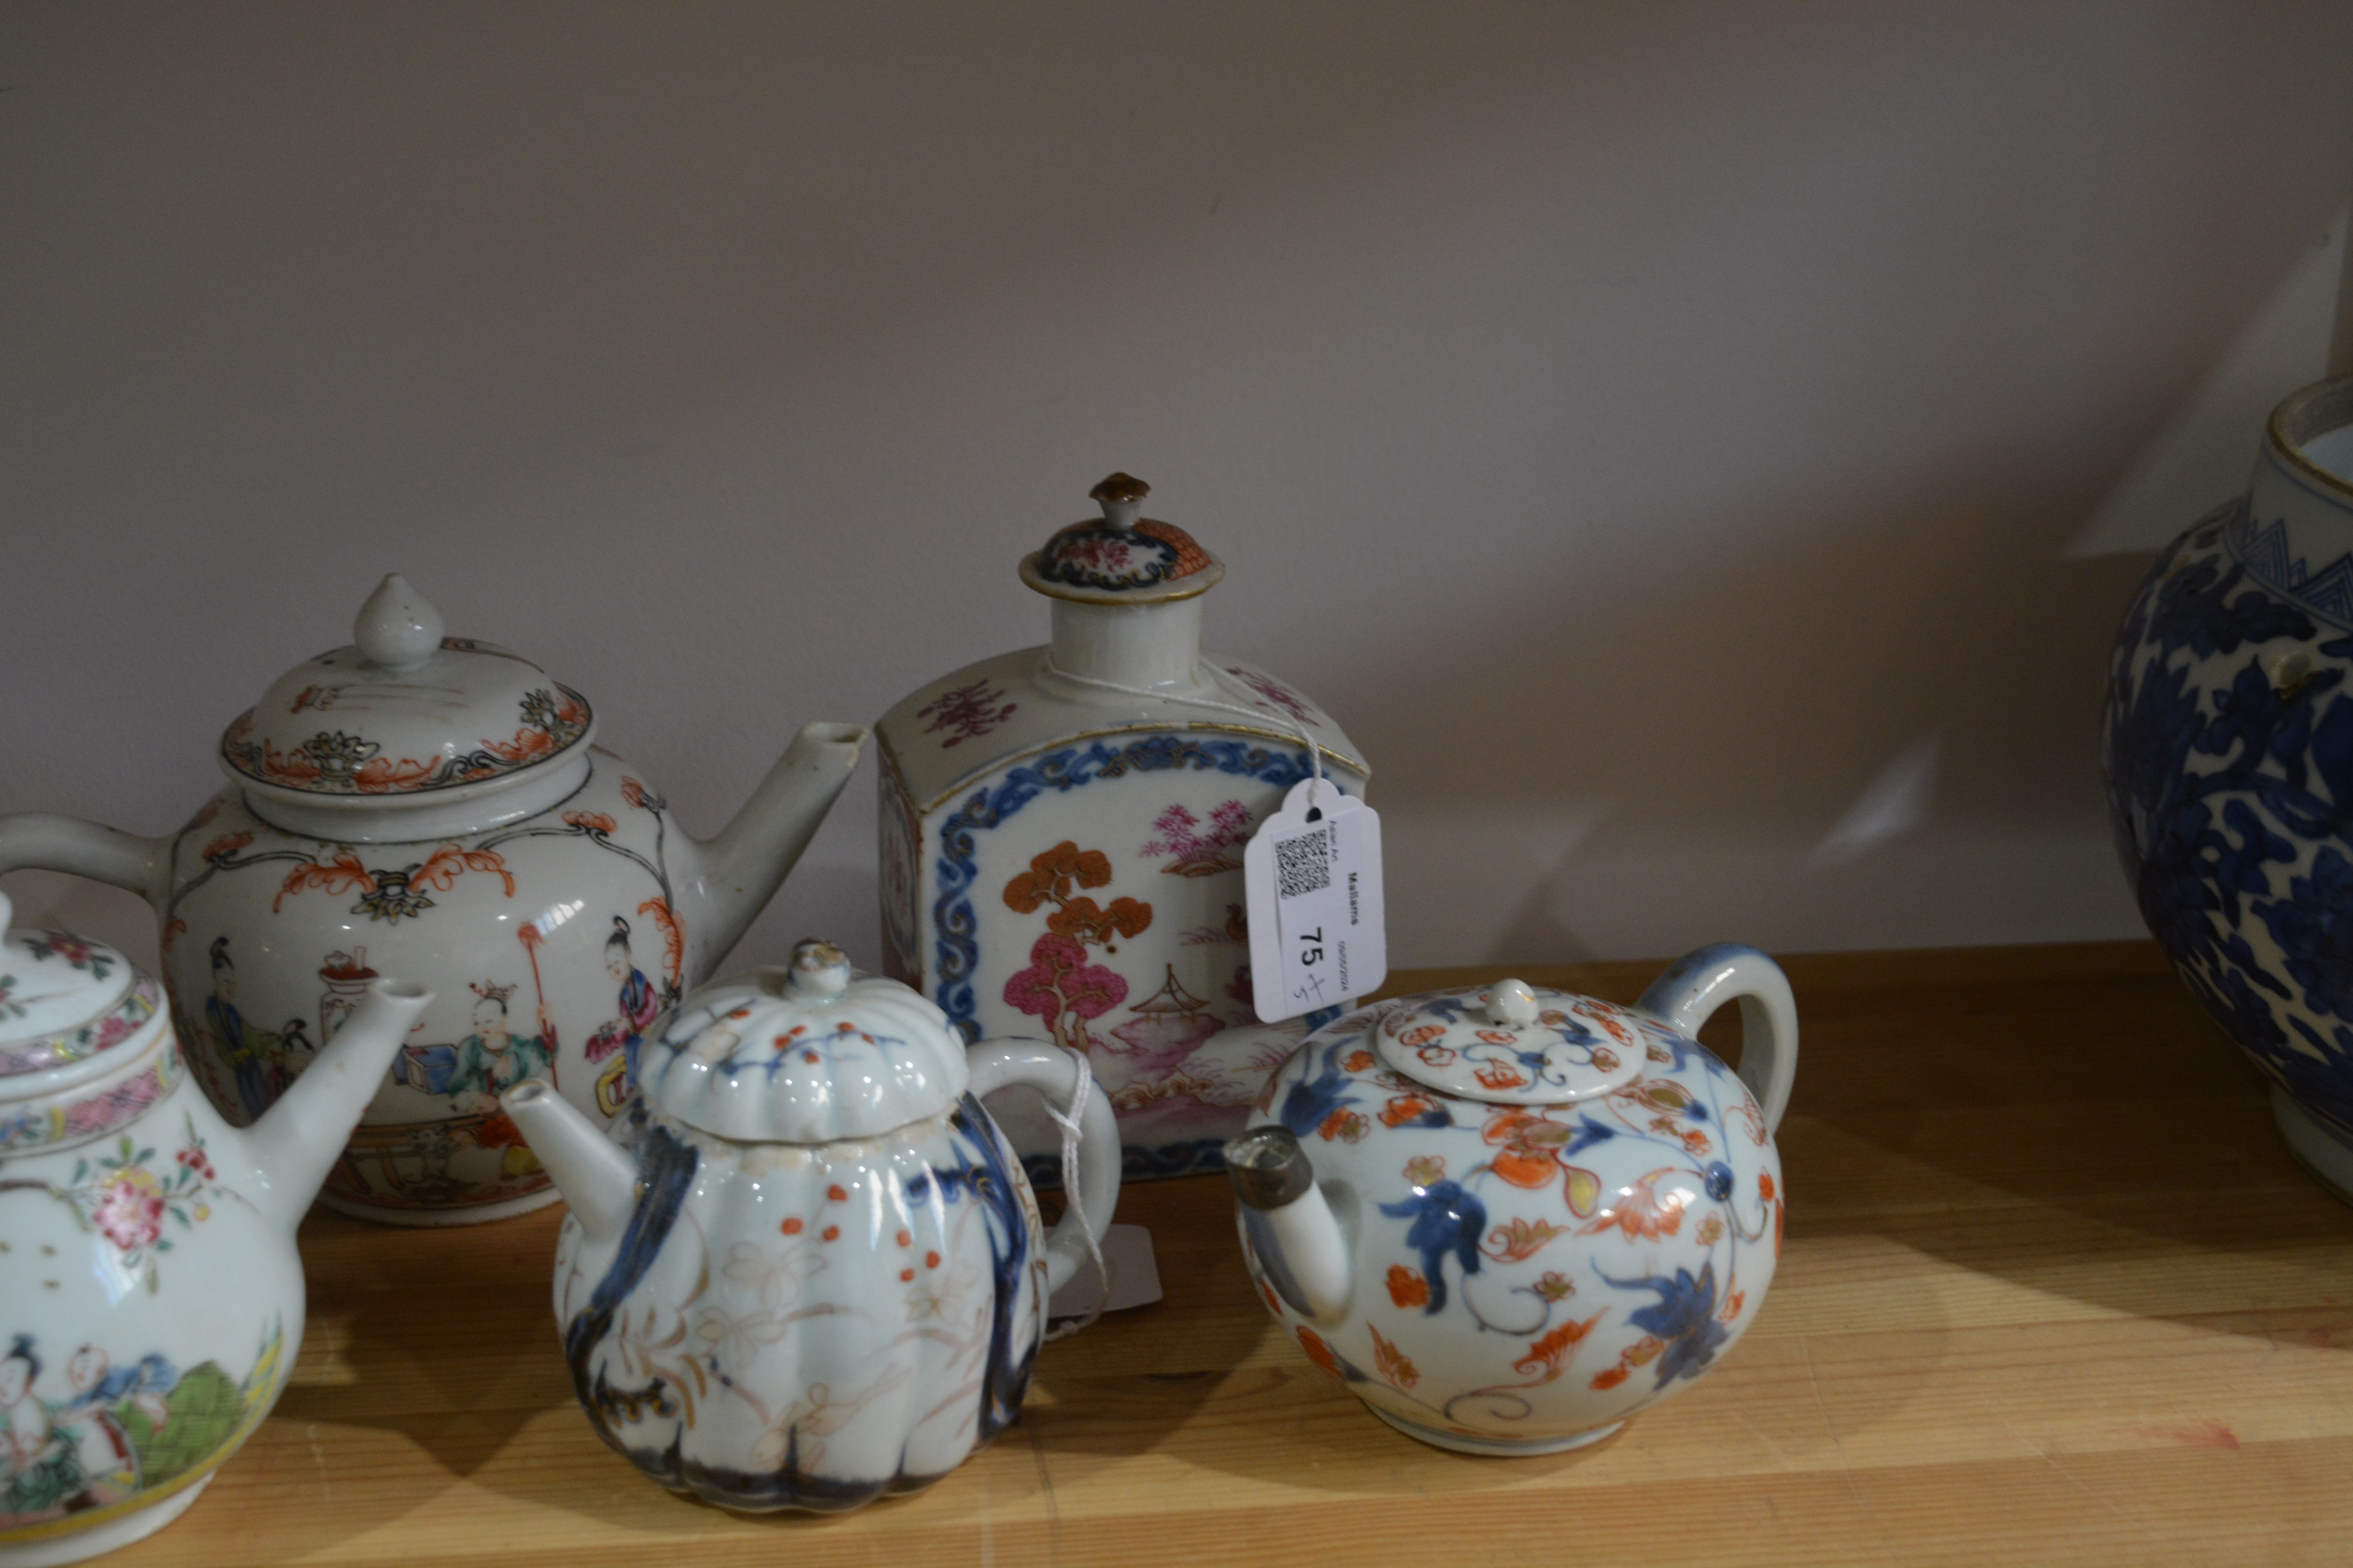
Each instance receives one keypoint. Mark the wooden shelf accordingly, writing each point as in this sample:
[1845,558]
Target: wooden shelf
[2053,1291]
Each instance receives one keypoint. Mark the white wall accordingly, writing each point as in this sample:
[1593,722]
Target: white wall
[1658,432]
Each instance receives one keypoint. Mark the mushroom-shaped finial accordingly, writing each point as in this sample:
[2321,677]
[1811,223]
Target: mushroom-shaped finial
[1511,1003]
[820,971]
[398,628]
[1122,496]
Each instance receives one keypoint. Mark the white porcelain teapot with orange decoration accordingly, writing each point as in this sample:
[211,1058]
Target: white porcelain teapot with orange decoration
[1509,1219]
[435,807]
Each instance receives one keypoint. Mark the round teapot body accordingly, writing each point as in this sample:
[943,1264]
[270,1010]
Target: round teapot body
[149,1310]
[552,942]
[2228,754]
[807,1326]
[1523,1278]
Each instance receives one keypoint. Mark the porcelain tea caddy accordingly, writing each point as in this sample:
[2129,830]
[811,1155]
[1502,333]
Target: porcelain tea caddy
[435,807]
[1510,1220]
[805,1269]
[150,1297]
[2230,767]
[1063,831]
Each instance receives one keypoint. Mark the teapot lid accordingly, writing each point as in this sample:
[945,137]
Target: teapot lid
[804,1054]
[404,711]
[1121,557]
[65,999]
[1513,1044]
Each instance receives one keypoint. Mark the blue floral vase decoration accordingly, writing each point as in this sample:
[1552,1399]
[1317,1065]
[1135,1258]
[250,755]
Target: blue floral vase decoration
[2229,749]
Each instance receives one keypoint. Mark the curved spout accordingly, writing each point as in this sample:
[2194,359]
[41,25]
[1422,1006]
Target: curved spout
[1276,1183]
[596,1175]
[297,1141]
[733,875]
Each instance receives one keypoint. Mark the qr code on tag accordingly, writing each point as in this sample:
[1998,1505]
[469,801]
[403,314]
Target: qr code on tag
[1302,865]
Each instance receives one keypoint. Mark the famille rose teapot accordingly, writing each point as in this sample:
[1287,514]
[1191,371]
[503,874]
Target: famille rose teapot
[150,1297]
[805,1267]
[434,807]
[1509,1220]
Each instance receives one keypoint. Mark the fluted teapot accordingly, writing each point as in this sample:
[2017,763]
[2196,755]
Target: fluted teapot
[150,1296]
[1509,1219]
[806,1268]
[436,806]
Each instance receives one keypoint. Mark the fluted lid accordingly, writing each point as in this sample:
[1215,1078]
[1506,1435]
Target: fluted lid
[65,999]
[1121,557]
[804,1055]
[404,711]
[1513,1044]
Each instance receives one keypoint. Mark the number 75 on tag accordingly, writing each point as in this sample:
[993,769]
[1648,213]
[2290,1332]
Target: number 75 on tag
[1314,880]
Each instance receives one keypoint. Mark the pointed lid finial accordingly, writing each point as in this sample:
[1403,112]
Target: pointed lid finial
[398,628]
[1124,557]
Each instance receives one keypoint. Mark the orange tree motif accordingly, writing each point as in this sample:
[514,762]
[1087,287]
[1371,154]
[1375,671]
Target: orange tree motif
[1060,986]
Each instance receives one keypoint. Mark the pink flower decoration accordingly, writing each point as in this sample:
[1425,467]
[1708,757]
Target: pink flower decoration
[129,1213]
[1059,978]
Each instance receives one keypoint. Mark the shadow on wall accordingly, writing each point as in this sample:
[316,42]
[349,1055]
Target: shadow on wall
[1913,682]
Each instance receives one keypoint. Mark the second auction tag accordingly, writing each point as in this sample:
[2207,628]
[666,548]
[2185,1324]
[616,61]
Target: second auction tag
[1314,878]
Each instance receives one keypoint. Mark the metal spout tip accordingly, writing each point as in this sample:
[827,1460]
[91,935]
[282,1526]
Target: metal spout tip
[1268,1167]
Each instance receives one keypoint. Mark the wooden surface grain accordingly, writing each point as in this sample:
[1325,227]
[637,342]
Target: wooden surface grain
[2053,1292]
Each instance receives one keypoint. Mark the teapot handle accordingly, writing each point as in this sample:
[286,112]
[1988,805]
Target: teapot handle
[41,841]
[1697,983]
[1053,1072]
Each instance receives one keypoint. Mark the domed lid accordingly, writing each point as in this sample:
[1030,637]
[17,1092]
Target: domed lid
[1123,558]
[403,712]
[1513,1045]
[804,1055]
[64,1000]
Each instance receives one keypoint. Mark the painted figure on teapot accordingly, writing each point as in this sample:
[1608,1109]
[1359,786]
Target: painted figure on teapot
[1508,1220]
[805,1269]
[150,1296]
[438,806]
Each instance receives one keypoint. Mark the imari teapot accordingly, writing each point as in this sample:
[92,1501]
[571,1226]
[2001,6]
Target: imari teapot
[805,1269]
[436,807]
[150,1297]
[1509,1220]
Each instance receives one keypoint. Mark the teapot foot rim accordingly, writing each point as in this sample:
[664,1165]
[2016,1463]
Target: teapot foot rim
[1497,1447]
[111,1536]
[473,1213]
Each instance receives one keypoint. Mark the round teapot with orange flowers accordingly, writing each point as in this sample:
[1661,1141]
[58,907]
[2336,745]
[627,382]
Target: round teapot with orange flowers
[1509,1219]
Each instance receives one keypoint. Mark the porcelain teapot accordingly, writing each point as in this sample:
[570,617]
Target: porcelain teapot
[805,1268]
[436,806]
[150,1297]
[1508,1220]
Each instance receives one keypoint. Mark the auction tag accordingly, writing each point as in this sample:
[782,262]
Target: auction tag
[1314,880]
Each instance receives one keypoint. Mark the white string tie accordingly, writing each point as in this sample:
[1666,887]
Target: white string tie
[1081,1084]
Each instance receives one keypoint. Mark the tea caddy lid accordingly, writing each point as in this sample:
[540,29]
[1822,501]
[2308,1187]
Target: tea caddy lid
[804,1054]
[64,1000]
[1513,1044]
[404,713]
[1121,557]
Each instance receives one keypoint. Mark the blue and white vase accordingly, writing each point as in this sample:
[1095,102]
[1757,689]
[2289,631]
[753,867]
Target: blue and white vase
[2230,768]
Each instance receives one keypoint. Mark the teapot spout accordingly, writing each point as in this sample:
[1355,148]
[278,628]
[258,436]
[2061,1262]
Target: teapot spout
[596,1175]
[734,874]
[297,1141]
[1276,1183]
